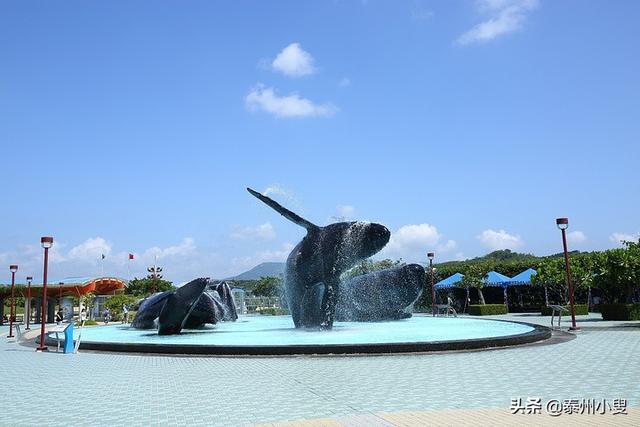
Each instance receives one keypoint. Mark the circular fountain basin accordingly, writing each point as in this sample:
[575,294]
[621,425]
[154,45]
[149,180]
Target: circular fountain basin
[275,335]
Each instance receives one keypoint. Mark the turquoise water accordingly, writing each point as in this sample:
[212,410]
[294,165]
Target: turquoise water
[279,331]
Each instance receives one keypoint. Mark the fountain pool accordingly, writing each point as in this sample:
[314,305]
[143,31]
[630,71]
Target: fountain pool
[275,335]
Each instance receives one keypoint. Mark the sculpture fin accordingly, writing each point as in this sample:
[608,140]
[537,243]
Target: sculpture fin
[284,211]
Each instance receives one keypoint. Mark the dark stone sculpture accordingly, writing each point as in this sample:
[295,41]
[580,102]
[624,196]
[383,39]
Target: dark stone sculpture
[381,295]
[149,310]
[190,306]
[216,304]
[314,266]
[179,305]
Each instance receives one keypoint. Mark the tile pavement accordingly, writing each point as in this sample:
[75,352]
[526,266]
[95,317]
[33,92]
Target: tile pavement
[128,389]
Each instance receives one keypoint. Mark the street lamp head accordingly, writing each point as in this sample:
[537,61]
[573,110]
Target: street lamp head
[430,255]
[13,268]
[562,223]
[29,278]
[46,242]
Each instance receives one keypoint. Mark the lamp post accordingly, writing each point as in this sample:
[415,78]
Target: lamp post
[155,274]
[563,224]
[46,243]
[29,279]
[430,255]
[13,268]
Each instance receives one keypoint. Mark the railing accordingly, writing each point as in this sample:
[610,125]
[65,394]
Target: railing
[254,304]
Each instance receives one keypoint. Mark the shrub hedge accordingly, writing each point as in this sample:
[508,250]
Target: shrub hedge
[620,311]
[87,322]
[487,309]
[581,309]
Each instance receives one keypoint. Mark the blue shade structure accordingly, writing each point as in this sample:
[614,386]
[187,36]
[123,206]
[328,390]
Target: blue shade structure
[450,282]
[523,278]
[494,278]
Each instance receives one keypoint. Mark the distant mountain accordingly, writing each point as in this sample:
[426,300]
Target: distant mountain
[266,269]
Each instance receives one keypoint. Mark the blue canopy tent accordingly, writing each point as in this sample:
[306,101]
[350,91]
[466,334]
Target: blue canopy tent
[523,278]
[453,281]
[494,278]
[449,282]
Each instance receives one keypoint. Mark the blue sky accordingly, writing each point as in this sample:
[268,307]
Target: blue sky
[464,126]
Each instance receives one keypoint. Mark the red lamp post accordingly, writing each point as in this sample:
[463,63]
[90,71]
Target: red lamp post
[430,255]
[563,224]
[13,268]
[29,279]
[46,243]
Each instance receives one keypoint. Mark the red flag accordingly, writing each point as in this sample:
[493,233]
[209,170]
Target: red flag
[130,256]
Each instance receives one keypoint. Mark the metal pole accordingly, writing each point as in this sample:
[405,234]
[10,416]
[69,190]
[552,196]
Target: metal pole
[573,327]
[43,310]
[433,289]
[27,328]
[13,300]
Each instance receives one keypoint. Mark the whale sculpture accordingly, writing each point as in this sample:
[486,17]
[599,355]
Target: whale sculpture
[190,306]
[215,305]
[314,266]
[381,295]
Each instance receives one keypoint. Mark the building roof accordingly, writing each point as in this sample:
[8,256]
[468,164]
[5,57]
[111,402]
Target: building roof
[72,286]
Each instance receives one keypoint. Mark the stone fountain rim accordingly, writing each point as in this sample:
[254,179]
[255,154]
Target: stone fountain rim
[539,333]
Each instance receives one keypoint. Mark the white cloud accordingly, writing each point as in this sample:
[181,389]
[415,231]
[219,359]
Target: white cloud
[618,238]
[495,240]
[185,248]
[344,82]
[275,255]
[262,98]
[293,61]
[448,246]
[412,242]
[505,16]
[576,237]
[420,13]
[263,232]
[459,256]
[90,250]
[345,212]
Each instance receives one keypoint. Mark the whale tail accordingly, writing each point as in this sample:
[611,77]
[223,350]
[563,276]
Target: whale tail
[293,217]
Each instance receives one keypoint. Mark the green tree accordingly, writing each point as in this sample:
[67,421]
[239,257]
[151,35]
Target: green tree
[551,276]
[267,287]
[147,286]
[474,277]
[115,302]
[617,272]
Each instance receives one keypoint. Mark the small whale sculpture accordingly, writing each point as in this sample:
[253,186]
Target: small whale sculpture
[381,295]
[190,306]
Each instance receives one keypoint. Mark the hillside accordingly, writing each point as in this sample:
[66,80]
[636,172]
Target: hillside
[266,269]
[503,256]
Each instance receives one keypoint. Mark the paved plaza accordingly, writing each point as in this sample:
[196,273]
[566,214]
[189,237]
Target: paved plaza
[469,388]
